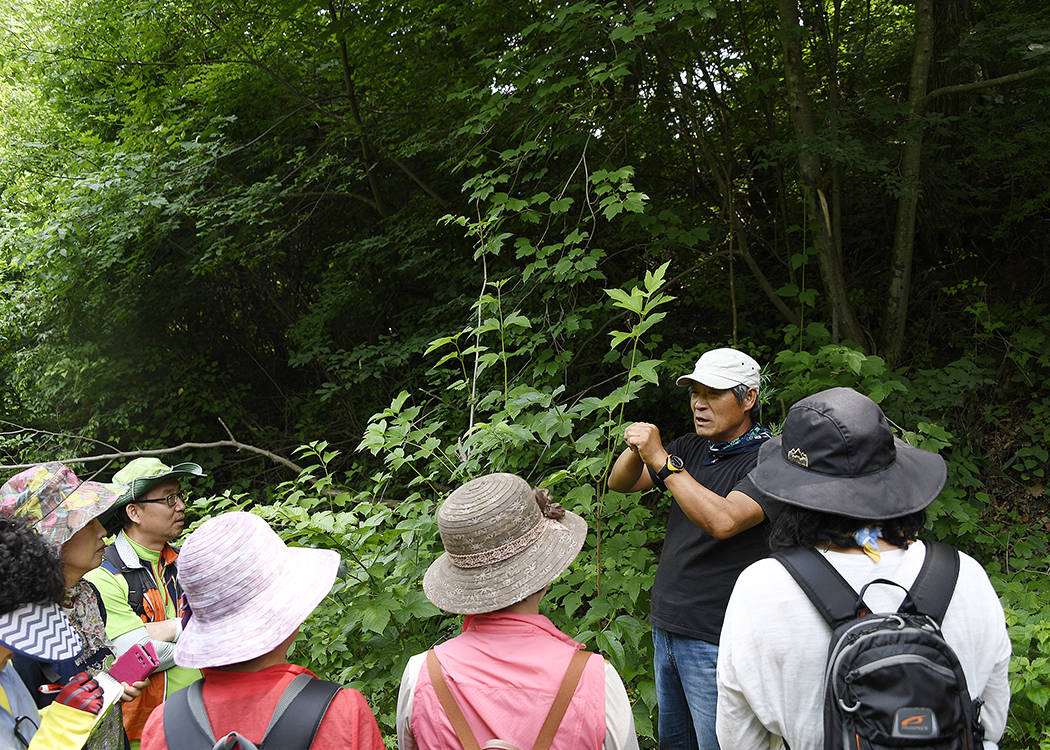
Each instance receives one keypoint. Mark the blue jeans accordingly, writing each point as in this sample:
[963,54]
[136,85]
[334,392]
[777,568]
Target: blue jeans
[686,691]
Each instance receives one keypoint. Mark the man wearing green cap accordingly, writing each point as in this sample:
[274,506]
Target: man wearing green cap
[137,579]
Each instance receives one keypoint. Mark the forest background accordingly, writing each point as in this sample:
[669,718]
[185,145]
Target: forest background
[349,255]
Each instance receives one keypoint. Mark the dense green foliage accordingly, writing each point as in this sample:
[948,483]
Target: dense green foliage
[404,244]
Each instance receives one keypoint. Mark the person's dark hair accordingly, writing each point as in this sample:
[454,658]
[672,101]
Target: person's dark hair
[120,519]
[800,527]
[30,569]
[740,391]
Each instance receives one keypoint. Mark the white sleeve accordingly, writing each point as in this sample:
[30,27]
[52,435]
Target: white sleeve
[405,740]
[165,649]
[752,693]
[975,626]
[996,696]
[619,718]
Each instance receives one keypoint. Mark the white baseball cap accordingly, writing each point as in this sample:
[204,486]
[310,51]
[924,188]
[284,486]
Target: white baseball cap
[723,368]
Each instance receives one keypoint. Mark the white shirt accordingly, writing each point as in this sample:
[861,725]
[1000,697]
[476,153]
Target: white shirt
[774,646]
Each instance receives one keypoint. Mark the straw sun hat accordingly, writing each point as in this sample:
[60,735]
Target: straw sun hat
[246,589]
[500,547]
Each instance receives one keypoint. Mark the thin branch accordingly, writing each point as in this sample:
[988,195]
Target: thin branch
[231,443]
[1000,81]
[19,428]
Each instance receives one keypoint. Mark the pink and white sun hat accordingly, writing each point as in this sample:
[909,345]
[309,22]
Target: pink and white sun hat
[247,591]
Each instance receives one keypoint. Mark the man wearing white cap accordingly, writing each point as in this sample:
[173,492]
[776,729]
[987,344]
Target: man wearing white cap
[137,579]
[713,533]
[247,594]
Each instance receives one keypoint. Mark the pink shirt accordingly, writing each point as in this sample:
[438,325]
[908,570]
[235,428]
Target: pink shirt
[504,671]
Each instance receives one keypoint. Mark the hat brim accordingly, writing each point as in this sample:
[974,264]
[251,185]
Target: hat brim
[471,591]
[306,577]
[711,381]
[909,484]
[90,500]
[142,485]
[41,632]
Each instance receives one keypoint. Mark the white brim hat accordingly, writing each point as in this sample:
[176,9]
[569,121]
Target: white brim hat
[247,591]
[499,547]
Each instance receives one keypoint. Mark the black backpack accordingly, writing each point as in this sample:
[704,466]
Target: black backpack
[293,725]
[139,580]
[891,680]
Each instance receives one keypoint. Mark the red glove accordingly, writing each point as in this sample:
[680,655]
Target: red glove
[82,693]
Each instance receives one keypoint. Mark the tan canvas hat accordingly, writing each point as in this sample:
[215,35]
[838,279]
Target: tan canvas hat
[502,543]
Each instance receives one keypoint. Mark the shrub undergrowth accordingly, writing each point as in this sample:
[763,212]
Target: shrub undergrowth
[488,411]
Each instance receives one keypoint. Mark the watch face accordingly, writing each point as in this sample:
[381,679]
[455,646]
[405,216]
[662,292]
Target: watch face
[675,463]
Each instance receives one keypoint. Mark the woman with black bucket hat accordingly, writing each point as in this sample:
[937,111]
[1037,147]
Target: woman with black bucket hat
[858,495]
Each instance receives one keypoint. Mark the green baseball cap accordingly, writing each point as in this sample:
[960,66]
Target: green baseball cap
[143,474]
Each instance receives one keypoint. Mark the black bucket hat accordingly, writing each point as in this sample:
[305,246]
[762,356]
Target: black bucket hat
[838,455]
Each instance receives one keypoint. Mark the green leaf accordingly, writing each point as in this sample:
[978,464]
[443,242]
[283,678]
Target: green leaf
[375,617]
[560,206]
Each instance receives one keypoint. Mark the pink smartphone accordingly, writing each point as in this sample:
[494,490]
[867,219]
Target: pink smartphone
[137,663]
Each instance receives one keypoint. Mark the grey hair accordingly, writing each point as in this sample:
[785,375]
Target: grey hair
[740,391]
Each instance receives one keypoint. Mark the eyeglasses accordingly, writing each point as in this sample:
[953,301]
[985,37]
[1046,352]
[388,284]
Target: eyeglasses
[170,500]
[18,730]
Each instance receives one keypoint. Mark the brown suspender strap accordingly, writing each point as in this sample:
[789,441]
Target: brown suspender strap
[561,700]
[448,702]
[550,724]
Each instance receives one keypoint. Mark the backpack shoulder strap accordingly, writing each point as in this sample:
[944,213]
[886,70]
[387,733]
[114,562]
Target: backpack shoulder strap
[186,724]
[550,725]
[448,703]
[138,579]
[299,713]
[187,727]
[833,597]
[562,699]
[933,588]
[111,556]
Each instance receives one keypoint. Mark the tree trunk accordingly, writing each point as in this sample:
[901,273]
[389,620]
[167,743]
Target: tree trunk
[896,313]
[844,323]
[351,95]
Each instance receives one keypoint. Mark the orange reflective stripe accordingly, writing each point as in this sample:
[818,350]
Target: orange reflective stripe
[153,606]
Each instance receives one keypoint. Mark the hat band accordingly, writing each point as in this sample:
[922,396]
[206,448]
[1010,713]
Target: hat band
[504,551]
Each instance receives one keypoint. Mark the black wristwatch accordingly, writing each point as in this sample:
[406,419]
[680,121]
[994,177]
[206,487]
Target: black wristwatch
[673,466]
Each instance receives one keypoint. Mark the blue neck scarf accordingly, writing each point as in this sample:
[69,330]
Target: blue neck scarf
[749,441]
